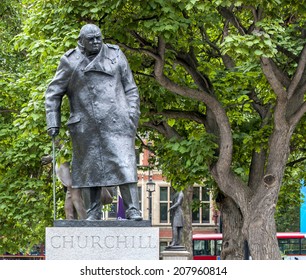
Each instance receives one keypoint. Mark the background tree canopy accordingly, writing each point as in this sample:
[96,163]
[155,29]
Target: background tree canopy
[208,74]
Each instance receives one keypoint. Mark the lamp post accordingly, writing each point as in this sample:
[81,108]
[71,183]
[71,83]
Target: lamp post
[150,188]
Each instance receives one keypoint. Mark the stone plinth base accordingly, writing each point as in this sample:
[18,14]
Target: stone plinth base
[67,242]
[101,223]
[174,254]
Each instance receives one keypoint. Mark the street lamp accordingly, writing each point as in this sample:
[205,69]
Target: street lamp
[150,189]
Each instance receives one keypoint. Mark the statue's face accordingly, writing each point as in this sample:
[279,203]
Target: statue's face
[92,42]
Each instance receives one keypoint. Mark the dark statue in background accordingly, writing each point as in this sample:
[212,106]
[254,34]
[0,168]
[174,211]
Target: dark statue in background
[104,114]
[74,205]
[177,219]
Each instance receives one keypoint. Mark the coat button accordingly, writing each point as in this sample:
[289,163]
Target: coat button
[112,100]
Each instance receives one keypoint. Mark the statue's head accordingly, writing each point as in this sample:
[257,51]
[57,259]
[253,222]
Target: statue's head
[90,38]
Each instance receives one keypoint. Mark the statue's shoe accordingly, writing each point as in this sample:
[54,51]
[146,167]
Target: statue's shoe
[133,214]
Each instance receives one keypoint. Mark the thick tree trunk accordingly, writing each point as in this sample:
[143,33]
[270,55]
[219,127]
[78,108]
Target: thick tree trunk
[231,224]
[257,201]
[249,234]
[261,236]
[259,223]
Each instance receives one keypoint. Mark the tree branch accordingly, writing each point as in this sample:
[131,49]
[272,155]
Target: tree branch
[201,80]
[226,142]
[191,115]
[163,128]
[257,104]
[208,41]
[8,111]
[292,163]
[302,88]
[257,15]
[270,69]
[140,50]
[170,85]
[144,74]
[227,60]
[288,53]
[297,115]
[230,16]
[298,73]
[141,40]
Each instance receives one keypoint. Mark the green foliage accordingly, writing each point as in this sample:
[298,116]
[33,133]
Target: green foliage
[288,207]
[245,46]
[41,31]
[288,210]
[187,162]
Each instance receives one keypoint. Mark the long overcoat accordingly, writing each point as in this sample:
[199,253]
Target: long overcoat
[104,114]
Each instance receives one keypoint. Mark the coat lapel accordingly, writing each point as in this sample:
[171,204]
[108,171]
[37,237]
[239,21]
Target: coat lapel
[101,63]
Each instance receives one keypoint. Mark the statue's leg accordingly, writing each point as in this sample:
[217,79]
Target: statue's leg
[174,236]
[69,211]
[78,203]
[129,193]
[179,236]
[92,202]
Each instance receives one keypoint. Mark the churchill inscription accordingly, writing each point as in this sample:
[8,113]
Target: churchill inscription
[102,243]
[98,242]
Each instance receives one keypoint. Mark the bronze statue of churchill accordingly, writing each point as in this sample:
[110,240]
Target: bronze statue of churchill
[104,113]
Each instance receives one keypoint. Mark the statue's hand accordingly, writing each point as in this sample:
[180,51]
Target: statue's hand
[53,131]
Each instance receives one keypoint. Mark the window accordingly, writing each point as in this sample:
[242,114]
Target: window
[165,198]
[201,200]
[290,246]
[207,247]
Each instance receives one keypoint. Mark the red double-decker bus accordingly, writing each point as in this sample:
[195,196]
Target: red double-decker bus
[208,246]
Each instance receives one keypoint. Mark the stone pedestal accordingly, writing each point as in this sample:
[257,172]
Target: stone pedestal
[102,240]
[175,253]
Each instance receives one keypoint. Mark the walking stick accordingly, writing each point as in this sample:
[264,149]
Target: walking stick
[54,177]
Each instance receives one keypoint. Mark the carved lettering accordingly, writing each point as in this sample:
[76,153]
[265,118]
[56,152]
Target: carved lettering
[150,242]
[58,242]
[141,243]
[133,241]
[109,242]
[95,241]
[82,244]
[120,241]
[102,242]
[68,240]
